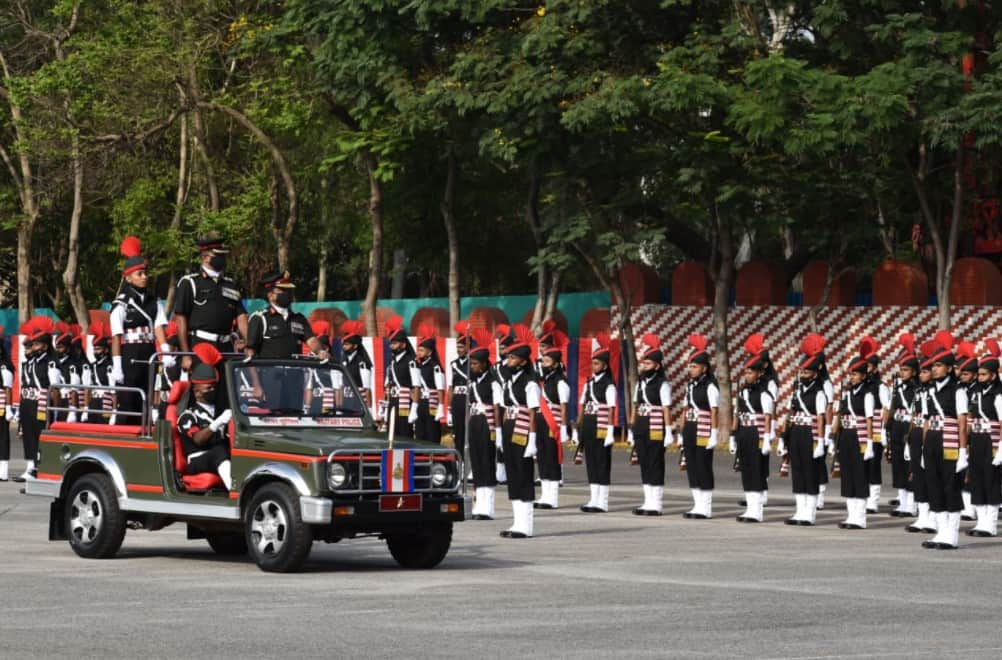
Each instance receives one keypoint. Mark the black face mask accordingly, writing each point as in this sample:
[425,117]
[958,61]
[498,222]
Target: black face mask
[217,262]
[283,299]
[806,381]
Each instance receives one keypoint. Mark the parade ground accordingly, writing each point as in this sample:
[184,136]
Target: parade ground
[587,586]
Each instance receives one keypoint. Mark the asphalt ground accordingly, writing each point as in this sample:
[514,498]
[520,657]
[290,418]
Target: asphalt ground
[587,586]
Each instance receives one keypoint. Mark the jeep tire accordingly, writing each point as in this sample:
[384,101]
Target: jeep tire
[227,545]
[277,538]
[424,548]
[94,524]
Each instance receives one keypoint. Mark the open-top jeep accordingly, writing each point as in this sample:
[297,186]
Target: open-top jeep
[306,462]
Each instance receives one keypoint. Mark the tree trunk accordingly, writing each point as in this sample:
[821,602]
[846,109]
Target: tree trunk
[322,274]
[449,218]
[376,251]
[826,293]
[180,197]
[25,232]
[399,274]
[532,219]
[70,273]
[722,276]
[552,296]
[200,134]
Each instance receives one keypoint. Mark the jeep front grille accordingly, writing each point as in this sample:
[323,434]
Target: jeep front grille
[365,470]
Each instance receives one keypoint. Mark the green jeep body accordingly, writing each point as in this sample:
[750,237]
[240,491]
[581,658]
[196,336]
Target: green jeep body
[124,477]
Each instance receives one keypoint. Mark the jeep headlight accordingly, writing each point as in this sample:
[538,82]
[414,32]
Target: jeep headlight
[439,475]
[337,476]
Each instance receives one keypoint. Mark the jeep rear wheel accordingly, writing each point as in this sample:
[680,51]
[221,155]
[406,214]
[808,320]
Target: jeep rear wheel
[277,538]
[94,524]
[228,545]
[425,548]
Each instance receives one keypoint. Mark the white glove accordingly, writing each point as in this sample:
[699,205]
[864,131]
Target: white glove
[962,459]
[781,448]
[117,375]
[908,453]
[868,454]
[530,448]
[830,441]
[71,417]
[767,444]
[997,461]
[732,445]
[575,439]
[629,438]
[167,360]
[155,415]
[412,415]
[610,437]
[819,448]
[714,433]
[10,412]
[448,419]
[440,414]
[498,438]
[221,421]
[669,437]
[680,440]
[84,417]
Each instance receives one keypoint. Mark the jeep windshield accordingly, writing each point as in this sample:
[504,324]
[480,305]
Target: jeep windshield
[308,394]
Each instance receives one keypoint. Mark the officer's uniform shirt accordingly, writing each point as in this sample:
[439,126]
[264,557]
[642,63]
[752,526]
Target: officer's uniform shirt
[38,374]
[211,302]
[274,333]
[986,401]
[134,315]
[197,417]
[6,381]
[592,391]
[459,367]
[931,408]
[427,375]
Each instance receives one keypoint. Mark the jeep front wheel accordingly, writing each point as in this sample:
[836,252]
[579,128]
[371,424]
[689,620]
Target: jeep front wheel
[95,526]
[425,548]
[277,538]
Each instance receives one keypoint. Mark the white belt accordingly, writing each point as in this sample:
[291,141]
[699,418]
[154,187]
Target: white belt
[459,389]
[979,425]
[803,419]
[211,336]
[137,336]
[196,454]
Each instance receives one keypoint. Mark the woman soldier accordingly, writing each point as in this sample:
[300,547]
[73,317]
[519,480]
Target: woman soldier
[881,400]
[899,415]
[966,371]
[518,432]
[854,425]
[699,434]
[137,324]
[650,425]
[485,395]
[598,407]
[753,428]
[913,451]
[556,393]
[945,445]
[985,413]
[808,408]
[428,382]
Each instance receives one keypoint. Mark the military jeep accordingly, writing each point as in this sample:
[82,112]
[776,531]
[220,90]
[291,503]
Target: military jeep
[307,464]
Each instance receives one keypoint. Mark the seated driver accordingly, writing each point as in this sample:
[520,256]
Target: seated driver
[204,429]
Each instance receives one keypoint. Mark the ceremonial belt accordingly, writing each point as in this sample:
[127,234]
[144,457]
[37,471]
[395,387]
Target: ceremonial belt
[431,396]
[403,397]
[878,425]
[857,424]
[555,411]
[30,393]
[703,424]
[212,336]
[143,335]
[804,419]
[902,415]
[326,396]
[981,425]
[521,416]
[485,410]
[655,415]
[601,412]
[3,398]
[950,428]
[756,420]
[458,390]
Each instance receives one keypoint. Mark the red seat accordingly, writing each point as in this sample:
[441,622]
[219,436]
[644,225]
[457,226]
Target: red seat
[201,481]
